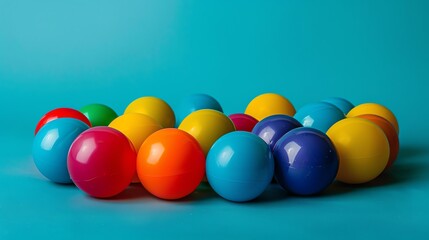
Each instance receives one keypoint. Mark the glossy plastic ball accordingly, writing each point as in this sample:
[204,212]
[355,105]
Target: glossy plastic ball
[51,145]
[306,161]
[362,147]
[319,115]
[243,122]
[341,103]
[102,162]
[99,114]
[391,134]
[137,127]
[269,104]
[272,128]
[155,108]
[61,113]
[196,102]
[375,109]
[206,126]
[170,164]
[239,166]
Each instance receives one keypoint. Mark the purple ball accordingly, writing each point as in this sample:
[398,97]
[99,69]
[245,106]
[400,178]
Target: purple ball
[306,161]
[272,128]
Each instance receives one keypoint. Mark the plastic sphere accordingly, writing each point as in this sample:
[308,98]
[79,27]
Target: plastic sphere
[319,115]
[207,126]
[243,122]
[375,109]
[362,147]
[102,162]
[341,103]
[306,161]
[391,134]
[268,104]
[239,166]
[61,113]
[170,164]
[155,108]
[196,102]
[137,127]
[51,145]
[99,114]
[272,128]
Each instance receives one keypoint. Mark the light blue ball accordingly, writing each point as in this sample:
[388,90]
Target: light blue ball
[319,115]
[239,166]
[341,103]
[51,145]
[196,102]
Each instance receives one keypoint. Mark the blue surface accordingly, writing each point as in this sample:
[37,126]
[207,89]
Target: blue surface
[57,53]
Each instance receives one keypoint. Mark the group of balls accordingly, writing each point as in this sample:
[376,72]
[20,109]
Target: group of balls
[239,155]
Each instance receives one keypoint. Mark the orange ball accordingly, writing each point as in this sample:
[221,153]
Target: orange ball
[391,134]
[170,164]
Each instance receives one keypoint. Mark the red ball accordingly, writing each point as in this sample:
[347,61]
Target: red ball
[243,122]
[102,162]
[61,113]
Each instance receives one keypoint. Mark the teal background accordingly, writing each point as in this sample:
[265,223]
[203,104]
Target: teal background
[71,53]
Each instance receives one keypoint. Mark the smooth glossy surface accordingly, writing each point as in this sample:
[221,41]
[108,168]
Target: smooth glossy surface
[102,162]
[170,164]
[391,134]
[269,104]
[207,126]
[319,115]
[196,102]
[61,113]
[272,128]
[243,122]
[51,145]
[240,166]
[341,103]
[99,114]
[306,161]
[375,109]
[155,108]
[363,149]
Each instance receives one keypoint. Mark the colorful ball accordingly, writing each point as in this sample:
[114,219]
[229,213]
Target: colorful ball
[391,134]
[137,127]
[374,109]
[207,126]
[102,162]
[272,128]
[51,145]
[319,115]
[269,104]
[155,108]
[362,147]
[341,103]
[99,114]
[243,122]
[239,166]
[306,161]
[196,102]
[61,113]
[170,164]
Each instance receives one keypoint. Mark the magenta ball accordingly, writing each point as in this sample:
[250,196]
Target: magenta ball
[243,122]
[102,162]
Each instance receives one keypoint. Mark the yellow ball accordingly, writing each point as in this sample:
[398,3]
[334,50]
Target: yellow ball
[362,147]
[207,126]
[269,104]
[374,109]
[137,127]
[155,108]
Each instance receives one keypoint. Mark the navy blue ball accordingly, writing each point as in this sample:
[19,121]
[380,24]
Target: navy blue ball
[306,161]
[272,128]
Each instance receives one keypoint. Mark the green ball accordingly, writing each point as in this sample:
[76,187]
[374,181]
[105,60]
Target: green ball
[99,114]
